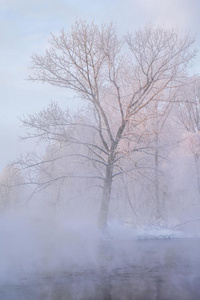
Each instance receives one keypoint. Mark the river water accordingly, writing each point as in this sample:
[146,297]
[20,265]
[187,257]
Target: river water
[126,270]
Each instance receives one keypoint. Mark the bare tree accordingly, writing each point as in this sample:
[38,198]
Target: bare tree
[12,191]
[117,86]
[159,149]
[189,117]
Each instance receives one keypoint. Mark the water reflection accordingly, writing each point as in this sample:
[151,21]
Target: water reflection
[145,270]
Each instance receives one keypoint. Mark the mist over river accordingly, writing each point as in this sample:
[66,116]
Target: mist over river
[130,269]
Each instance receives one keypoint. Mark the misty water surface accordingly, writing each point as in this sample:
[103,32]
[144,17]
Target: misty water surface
[127,269]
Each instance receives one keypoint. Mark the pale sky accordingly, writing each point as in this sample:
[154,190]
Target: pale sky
[24,28]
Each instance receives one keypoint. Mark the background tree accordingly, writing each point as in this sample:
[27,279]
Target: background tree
[13,193]
[159,141]
[188,116]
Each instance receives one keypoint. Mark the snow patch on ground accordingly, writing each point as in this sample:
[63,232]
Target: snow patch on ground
[126,231]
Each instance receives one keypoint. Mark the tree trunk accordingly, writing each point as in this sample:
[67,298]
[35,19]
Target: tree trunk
[158,209]
[105,201]
[158,213]
[196,157]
